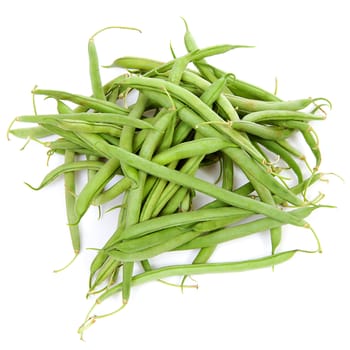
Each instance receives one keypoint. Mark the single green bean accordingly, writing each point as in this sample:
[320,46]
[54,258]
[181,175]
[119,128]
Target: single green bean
[199,147]
[276,115]
[36,132]
[69,189]
[113,192]
[67,168]
[95,77]
[111,119]
[264,131]
[284,155]
[250,105]
[86,102]
[310,138]
[95,186]
[242,88]
[196,269]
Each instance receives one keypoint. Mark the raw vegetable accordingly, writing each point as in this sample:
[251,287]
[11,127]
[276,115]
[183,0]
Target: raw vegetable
[182,120]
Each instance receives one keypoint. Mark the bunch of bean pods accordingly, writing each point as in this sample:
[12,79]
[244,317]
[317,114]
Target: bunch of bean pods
[186,114]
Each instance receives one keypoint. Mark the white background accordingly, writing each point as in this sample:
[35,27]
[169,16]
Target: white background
[304,304]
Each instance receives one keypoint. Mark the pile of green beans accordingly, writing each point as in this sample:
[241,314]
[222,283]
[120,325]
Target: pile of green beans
[186,115]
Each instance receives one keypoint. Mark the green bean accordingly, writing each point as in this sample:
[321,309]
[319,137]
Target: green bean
[227,172]
[63,144]
[310,138]
[96,128]
[285,156]
[242,88]
[214,91]
[36,132]
[110,119]
[86,102]
[291,149]
[251,105]
[174,203]
[148,241]
[95,186]
[69,186]
[182,131]
[67,168]
[95,77]
[312,141]
[196,269]
[128,267]
[191,46]
[190,168]
[105,272]
[275,115]
[199,147]
[110,194]
[264,131]
[137,63]
[127,136]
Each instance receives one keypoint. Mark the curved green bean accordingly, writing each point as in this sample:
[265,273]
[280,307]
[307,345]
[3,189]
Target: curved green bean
[197,269]
[66,168]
